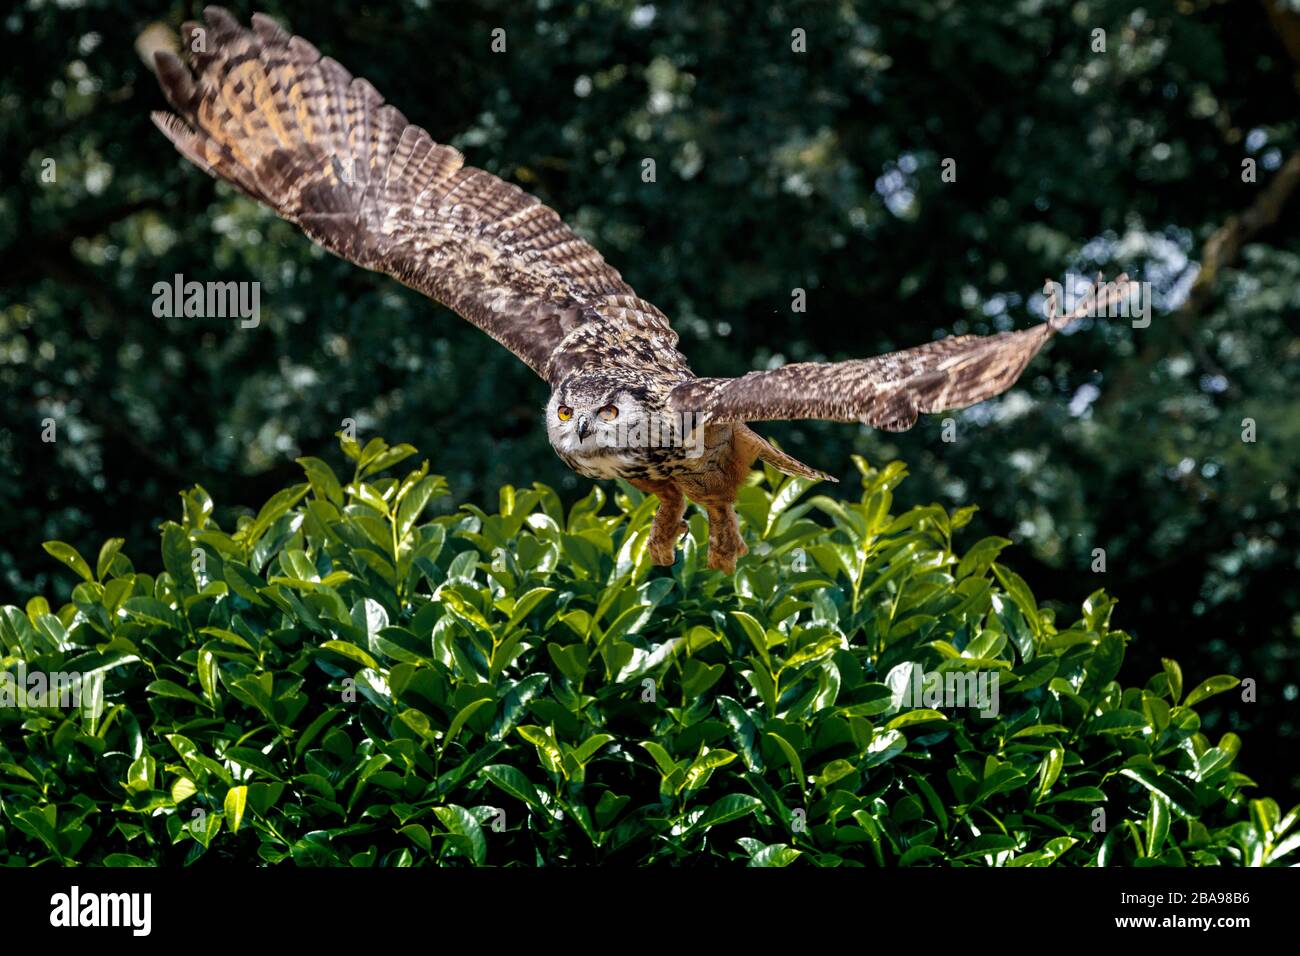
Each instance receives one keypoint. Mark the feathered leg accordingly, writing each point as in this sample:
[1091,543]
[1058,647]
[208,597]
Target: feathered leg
[725,543]
[668,524]
[714,489]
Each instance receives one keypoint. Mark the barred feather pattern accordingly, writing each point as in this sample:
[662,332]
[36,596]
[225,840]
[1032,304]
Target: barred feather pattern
[290,128]
[888,391]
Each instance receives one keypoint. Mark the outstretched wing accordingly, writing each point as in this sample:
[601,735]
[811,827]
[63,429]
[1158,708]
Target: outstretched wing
[292,129]
[888,391]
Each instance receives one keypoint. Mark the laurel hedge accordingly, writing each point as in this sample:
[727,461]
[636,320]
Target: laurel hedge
[357,675]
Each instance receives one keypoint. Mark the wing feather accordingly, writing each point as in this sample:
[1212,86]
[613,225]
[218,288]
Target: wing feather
[296,131]
[888,391]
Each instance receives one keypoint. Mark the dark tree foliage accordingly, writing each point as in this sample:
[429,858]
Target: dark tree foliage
[776,170]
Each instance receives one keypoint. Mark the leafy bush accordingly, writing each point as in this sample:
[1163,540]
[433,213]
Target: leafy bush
[342,680]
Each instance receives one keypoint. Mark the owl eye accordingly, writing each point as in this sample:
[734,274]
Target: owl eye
[564,413]
[608,413]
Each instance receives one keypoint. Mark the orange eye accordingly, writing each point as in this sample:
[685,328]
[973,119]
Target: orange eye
[564,413]
[608,413]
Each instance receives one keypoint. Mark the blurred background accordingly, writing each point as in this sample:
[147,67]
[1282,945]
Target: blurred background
[1172,153]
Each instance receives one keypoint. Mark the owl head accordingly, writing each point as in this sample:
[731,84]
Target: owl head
[593,416]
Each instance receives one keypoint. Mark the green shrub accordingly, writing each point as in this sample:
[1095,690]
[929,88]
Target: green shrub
[341,681]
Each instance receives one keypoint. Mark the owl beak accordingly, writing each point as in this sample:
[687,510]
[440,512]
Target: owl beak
[584,427]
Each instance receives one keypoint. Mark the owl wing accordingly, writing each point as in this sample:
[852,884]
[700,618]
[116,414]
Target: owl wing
[294,130]
[888,391]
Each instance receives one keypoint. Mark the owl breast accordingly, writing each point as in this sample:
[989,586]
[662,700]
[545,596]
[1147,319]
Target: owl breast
[605,464]
[655,463]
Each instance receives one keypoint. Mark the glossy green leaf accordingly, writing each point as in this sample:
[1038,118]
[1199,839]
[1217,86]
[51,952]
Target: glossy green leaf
[67,554]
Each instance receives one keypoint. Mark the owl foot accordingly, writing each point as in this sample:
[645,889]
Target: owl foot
[662,552]
[723,557]
[725,543]
[726,563]
[668,526]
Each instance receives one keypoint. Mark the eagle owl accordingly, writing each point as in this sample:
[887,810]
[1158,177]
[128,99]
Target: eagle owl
[266,112]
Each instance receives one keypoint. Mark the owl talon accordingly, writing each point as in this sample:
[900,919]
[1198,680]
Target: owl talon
[664,531]
[725,543]
[719,561]
[663,553]
[723,554]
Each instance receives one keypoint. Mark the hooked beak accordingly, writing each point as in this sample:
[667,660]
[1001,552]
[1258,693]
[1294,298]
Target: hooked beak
[584,427]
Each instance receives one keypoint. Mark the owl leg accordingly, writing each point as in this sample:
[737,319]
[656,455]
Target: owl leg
[668,524]
[725,542]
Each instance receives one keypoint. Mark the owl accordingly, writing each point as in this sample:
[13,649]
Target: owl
[264,111]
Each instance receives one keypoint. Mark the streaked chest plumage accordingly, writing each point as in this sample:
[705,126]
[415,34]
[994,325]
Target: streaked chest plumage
[676,457]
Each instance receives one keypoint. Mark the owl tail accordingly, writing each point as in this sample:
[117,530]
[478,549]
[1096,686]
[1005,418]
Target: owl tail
[778,459]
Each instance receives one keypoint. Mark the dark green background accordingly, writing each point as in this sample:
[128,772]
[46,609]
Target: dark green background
[776,171]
